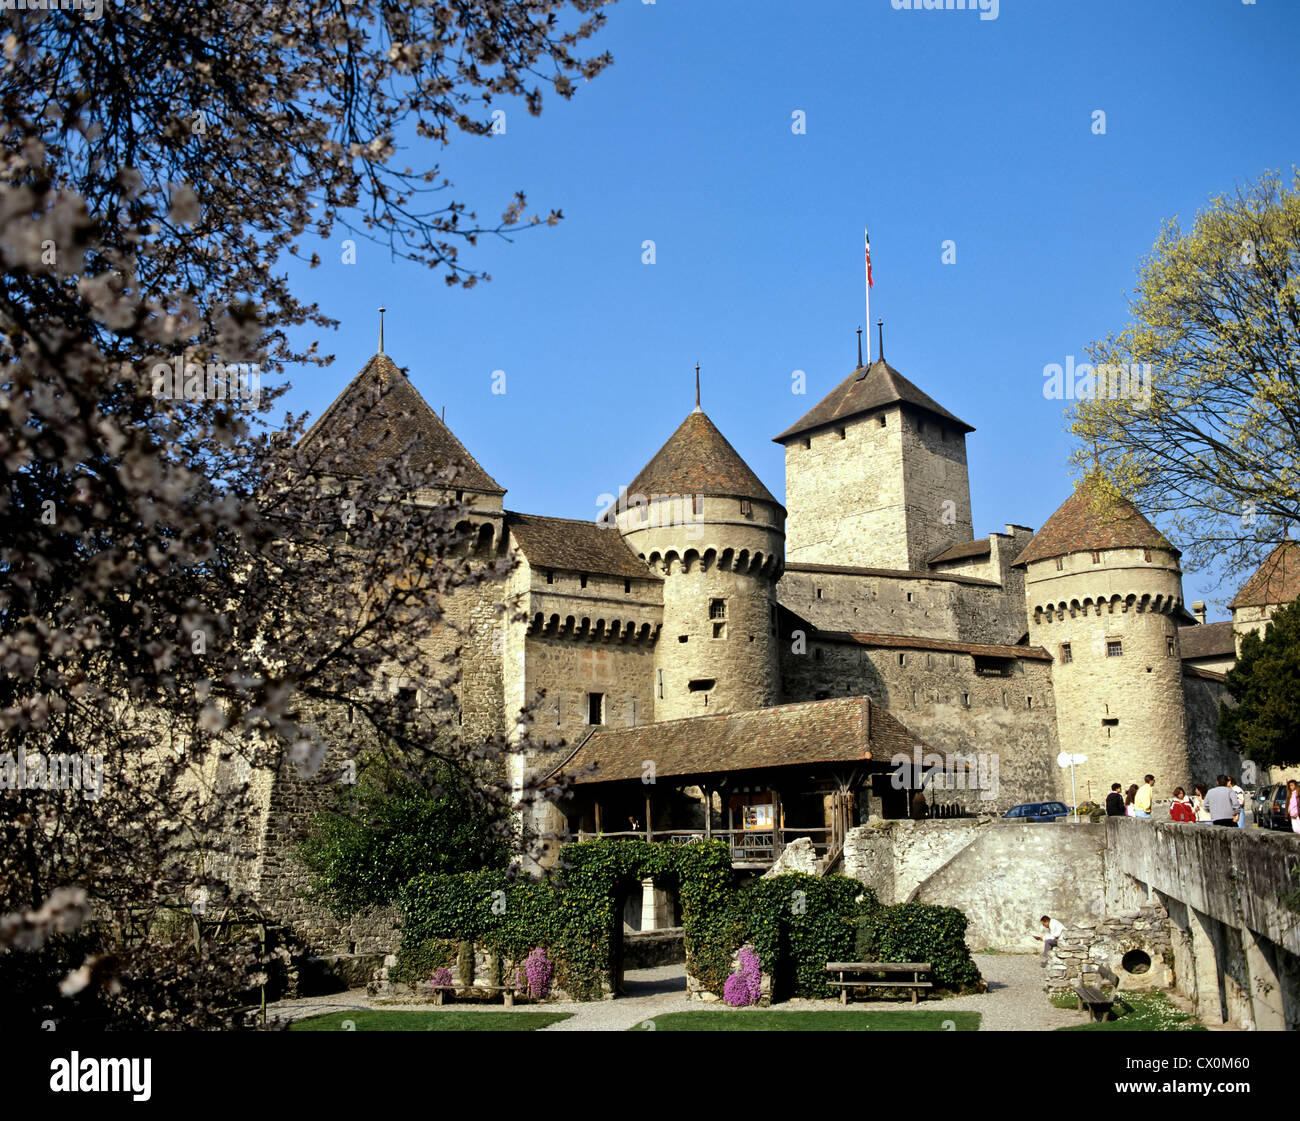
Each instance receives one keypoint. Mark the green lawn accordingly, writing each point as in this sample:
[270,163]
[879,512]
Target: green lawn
[1143,1012]
[761,1019]
[430,1021]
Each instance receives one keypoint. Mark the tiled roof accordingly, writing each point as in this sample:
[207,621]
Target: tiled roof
[697,459]
[866,389]
[1207,640]
[907,642]
[1091,520]
[378,415]
[844,730]
[1205,674]
[894,573]
[1277,580]
[963,550]
[575,546]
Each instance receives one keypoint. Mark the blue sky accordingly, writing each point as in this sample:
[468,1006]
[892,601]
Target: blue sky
[927,126]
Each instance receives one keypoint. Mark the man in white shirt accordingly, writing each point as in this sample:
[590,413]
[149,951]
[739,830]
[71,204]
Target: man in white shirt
[1239,796]
[1052,931]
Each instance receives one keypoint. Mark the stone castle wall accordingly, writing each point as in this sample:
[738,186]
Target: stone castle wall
[951,708]
[959,609]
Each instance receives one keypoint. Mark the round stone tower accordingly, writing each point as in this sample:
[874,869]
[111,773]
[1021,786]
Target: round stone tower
[1103,592]
[702,519]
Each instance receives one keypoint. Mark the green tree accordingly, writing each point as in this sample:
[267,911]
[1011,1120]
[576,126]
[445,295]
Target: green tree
[392,827]
[1265,683]
[1192,411]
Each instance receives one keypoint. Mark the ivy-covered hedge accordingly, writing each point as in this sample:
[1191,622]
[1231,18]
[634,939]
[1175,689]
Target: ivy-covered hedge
[920,932]
[796,922]
[572,916]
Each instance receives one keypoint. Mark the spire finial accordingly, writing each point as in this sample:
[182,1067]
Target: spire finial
[859,348]
[697,385]
[880,326]
[381,329]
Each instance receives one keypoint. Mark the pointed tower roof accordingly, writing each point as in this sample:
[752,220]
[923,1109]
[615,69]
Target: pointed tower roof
[697,459]
[376,416]
[1090,520]
[1277,580]
[866,389]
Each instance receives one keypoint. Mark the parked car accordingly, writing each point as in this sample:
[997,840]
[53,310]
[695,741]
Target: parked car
[1039,811]
[1270,807]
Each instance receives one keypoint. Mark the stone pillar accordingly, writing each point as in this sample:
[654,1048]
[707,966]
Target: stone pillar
[1205,948]
[648,905]
[1265,984]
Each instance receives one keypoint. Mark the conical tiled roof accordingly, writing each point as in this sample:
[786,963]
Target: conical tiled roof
[698,460]
[376,417]
[1277,580]
[866,389]
[1091,520]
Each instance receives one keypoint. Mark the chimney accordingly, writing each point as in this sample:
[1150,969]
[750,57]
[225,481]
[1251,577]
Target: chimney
[1198,609]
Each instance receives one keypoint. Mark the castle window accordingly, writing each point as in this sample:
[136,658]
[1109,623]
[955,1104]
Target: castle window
[1115,648]
[1169,645]
[1096,558]
[929,661]
[720,630]
[1029,702]
[595,708]
[1110,722]
[882,422]
[909,597]
[717,609]
[631,712]
[1060,564]
[807,442]
[1146,554]
[1004,699]
[817,654]
[559,710]
[460,496]
[902,659]
[701,685]
[965,700]
[660,683]
[746,508]
[993,667]
[841,432]
[582,580]
[550,576]
[819,593]
[1066,656]
[682,637]
[822,696]
[627,586]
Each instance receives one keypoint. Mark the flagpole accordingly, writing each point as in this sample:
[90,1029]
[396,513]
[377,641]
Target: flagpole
[867,239]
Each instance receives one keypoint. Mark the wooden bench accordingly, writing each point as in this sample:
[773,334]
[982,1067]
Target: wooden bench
[1098,1001]
[507,991]
[915,968]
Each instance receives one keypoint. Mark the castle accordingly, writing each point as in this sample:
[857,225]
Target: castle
[700,599]
[699,593]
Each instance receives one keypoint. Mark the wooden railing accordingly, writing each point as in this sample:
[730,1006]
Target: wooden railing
[748,846]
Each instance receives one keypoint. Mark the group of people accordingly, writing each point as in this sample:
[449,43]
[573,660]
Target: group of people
[1221,804]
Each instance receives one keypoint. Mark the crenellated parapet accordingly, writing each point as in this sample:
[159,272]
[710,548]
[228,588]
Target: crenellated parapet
[755,563]
[585,628]
[1112,604]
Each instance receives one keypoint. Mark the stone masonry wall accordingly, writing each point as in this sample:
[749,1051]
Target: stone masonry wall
[959,609]
[950,708]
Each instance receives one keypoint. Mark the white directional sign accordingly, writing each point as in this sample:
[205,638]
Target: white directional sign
[1065,759]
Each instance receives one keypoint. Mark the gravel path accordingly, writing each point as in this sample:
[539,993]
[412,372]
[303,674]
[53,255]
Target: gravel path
[1015,1001]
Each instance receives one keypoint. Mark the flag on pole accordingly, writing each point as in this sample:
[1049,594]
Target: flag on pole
[870,283]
